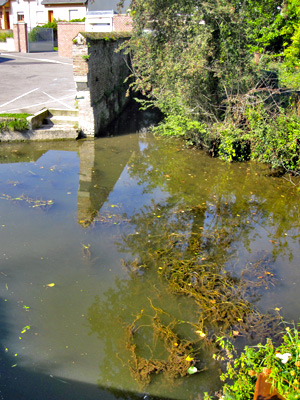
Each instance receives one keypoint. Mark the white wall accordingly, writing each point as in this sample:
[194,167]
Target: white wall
[65,13]
[31,10]
[37,14]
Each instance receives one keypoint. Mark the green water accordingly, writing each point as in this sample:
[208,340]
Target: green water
[73,214]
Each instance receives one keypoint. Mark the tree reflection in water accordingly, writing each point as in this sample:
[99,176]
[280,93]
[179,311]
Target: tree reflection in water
[188,246]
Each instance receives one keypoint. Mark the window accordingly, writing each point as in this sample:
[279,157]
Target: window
[40,17]
[20,16]
[73,14]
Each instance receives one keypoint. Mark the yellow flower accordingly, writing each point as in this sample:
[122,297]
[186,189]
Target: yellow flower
[188,358]
[201,334]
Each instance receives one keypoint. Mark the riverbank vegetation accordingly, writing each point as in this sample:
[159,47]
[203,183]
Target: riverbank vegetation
[212,68]
[13,122]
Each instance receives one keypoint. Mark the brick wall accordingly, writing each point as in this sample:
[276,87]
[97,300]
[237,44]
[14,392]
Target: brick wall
[66,32]
[20,37]
[122,23]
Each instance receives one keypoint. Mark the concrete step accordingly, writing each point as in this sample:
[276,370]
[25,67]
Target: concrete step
[59,112]
[46,132]
[61,120]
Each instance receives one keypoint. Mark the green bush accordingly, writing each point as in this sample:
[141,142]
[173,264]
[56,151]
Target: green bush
[5,34]
[179,125]
[275,139]
[34,33]
[281,363]
[233,145]
[78,19]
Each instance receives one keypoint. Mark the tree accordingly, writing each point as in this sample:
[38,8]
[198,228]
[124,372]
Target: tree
[275,28]
[188,55]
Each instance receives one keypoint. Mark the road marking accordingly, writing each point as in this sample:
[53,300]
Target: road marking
[39,104]
[19,97]
[37,59]
[54,99]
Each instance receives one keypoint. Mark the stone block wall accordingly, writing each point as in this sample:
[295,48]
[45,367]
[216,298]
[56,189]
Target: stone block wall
[99,73]
[20,37]
[66,32]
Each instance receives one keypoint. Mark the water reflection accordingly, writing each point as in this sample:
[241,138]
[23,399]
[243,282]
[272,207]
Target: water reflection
[101,164]
[144,201]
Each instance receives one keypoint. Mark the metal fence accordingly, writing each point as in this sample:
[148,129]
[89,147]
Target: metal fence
[40,39]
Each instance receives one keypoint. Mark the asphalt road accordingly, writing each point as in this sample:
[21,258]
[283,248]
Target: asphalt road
[32,81]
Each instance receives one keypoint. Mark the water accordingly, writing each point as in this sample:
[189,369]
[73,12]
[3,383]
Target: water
[75,214]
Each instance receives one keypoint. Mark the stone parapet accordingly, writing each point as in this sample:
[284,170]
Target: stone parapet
[99,72]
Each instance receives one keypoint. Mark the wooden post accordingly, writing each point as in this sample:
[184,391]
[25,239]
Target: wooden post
[264,390]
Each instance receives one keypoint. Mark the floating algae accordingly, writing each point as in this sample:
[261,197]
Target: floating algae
[179,356]
[33,203]
[103,218]
[194,264]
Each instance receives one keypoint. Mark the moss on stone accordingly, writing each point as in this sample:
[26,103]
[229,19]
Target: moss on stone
[108,36]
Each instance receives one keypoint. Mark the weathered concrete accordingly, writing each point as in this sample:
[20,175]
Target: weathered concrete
[39,134]
[36,121]
[99,73]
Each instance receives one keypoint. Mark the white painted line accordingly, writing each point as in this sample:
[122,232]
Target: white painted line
[51,97]
[39,59]
[19,97]
[38,104]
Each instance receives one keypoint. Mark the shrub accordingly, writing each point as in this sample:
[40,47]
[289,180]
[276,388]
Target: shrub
[5,34]
[275,139]
[281,363]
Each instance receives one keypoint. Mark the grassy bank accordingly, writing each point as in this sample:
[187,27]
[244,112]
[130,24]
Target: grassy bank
[13,122]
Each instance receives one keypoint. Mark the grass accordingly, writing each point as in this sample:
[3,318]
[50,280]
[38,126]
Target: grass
[13,122]
[9,115]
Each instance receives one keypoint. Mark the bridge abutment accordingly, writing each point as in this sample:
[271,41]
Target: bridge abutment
[99,73]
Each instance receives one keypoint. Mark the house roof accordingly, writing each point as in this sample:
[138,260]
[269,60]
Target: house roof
[2,2]
[99,5]
[54,2]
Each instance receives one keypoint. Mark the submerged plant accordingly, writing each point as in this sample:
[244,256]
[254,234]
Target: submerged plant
[190,265]
[178,357]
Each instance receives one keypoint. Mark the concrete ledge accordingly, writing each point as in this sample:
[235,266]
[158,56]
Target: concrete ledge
[40,134]
[36,120]
[63,112]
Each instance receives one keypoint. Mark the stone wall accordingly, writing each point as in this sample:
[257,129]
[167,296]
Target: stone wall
[99,73]
[66,32]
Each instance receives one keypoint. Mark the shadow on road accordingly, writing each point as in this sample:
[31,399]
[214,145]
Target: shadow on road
[4,59]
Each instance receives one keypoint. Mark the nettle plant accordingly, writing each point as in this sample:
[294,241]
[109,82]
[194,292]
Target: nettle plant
[281,363]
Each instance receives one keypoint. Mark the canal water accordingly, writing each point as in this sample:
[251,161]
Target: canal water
[81,224]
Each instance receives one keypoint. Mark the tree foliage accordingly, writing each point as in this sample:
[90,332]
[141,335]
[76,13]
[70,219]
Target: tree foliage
[275,29]
[194,60]
[189,54]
